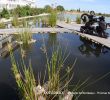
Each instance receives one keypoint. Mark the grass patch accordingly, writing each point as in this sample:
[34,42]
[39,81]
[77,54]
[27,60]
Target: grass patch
[53,18]
[78,20]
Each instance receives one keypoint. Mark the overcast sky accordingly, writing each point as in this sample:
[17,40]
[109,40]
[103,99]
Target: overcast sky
[96,5]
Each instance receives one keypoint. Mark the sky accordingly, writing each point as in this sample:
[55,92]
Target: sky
[102,6]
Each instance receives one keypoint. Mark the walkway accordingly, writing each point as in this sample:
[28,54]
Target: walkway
[34,30]
[76,27]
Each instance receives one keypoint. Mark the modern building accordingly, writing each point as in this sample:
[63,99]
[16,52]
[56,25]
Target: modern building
[10,4]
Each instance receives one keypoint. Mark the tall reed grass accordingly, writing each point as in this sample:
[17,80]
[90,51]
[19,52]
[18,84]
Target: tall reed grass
[78,20]
[15,21]
[25,78]
[25,37]
[53,18]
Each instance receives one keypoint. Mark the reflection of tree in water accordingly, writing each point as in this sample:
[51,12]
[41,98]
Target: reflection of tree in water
[88,48]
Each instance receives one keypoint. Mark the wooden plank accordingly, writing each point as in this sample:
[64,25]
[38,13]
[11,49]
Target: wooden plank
[76,27]
[5,50]
[33,30]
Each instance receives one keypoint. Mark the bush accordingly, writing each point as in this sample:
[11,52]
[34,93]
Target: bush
[53,19]
[78,20]
[5,13]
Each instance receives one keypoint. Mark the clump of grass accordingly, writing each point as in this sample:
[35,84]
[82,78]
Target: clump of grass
[24,23]
[2,25]
[45,21]
[53,18]
[78,20]
[25,80]
[15,21]
[25,37]
[68,20]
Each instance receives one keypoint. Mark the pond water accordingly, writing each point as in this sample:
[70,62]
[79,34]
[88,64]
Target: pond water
[72,17]
[93,62]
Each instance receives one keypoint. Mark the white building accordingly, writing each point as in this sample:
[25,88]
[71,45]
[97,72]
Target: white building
[10,4]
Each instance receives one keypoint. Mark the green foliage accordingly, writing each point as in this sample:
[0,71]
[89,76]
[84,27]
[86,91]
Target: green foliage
[60,8]
[48,8]
[53,19]
[23,11]
[25,37]
[5,13]
[2,25]
[26,81]
[15,21]
[78,20]
[28,11]
[68,20]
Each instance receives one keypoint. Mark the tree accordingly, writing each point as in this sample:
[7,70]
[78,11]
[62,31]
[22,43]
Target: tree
[60,8]
[48,8]
[5,13]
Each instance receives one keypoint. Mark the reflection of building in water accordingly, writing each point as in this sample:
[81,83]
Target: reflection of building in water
[88,48]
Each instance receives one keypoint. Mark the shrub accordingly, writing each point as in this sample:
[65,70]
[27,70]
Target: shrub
[53,19]
[5,13]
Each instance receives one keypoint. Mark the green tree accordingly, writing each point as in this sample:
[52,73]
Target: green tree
[48,8]
[60,8]
[5,13]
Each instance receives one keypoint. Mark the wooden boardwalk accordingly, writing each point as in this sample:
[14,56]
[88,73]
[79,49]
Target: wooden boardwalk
[4,52]
[64,28]
[34,30]
[76,27]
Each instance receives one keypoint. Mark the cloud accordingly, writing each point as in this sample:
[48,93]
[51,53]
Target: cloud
[88,0]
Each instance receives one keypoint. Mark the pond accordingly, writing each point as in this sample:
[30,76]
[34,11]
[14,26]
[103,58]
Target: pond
[72,17]
[93,62]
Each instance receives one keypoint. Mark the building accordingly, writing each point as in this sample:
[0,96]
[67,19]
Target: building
[11,4]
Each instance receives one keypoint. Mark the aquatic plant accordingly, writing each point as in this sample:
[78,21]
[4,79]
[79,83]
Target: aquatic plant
[24,23]
[78,20]
[26,81]
[68,20]
[15,21]
[25,37]
[53,18]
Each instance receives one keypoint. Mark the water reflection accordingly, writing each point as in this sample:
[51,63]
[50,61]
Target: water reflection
[7,92]
[52,38]
[89,48]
